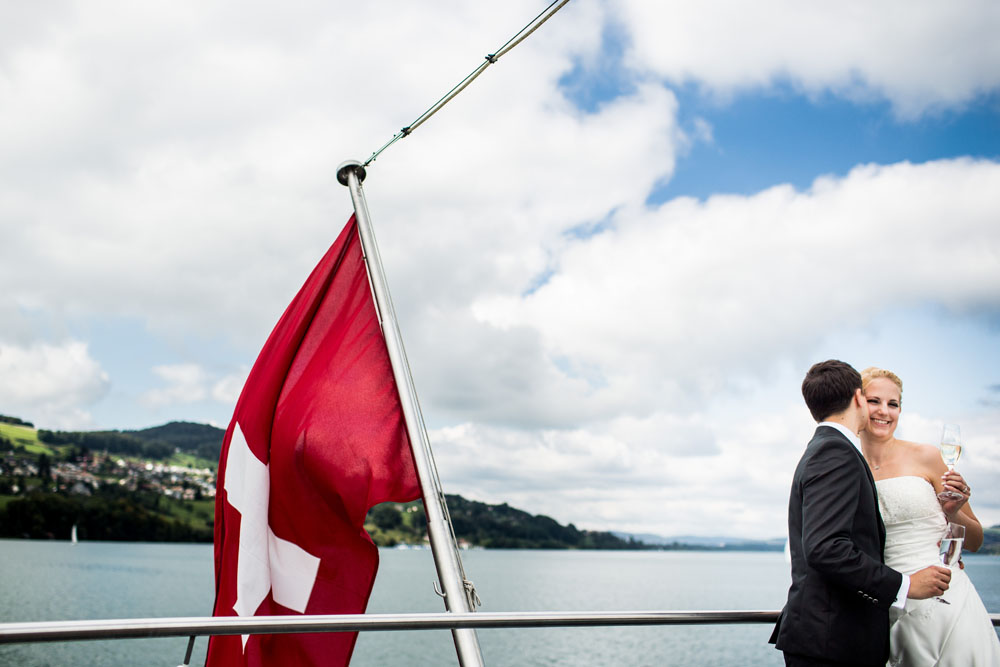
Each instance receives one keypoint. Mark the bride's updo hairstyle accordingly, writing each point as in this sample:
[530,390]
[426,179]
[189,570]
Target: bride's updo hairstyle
[872,372]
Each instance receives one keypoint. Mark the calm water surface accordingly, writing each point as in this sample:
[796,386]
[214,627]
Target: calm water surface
[46,581]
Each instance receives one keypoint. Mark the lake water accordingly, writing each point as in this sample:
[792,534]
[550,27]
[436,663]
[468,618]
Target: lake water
[46,581]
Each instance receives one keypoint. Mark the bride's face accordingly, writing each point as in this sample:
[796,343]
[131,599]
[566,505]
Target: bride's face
[883,407]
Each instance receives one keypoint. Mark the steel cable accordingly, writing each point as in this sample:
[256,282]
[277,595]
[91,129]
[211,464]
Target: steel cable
[491,58]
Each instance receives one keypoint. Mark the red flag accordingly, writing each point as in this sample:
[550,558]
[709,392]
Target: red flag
[316,440]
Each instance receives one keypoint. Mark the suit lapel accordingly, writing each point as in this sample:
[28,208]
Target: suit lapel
[878,511]
[871,481]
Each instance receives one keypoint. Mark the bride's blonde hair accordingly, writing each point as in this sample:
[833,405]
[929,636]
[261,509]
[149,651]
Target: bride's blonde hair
[873,372]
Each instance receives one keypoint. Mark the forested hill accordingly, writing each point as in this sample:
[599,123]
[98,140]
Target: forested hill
[492,526]
[502,526]
[201,440]
[156,443]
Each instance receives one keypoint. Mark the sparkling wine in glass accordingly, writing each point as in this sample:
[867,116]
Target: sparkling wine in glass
[950,549]
[951,450]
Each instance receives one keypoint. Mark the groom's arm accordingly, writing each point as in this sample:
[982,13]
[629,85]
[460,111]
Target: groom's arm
[832,485]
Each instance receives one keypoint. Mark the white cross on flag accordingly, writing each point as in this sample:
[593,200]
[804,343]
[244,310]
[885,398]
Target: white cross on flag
[316,440]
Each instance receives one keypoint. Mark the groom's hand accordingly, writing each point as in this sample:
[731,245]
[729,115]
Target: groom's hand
[929,582]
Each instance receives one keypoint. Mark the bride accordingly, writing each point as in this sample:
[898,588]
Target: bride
[908,477]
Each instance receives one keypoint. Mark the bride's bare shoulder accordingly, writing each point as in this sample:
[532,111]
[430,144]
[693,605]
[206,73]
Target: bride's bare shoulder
[926,454]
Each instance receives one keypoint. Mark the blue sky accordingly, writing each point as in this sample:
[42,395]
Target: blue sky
[779,136]
[613,256]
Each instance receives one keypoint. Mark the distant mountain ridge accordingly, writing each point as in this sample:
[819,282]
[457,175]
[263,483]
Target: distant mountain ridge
[710,542]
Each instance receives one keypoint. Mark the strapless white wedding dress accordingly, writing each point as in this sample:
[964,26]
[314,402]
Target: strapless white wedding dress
[927,632]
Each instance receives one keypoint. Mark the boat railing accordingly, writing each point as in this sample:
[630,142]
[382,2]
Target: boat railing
[193,627]
[134,628]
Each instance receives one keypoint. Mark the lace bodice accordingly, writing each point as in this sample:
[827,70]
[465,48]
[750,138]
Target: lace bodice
[914,522]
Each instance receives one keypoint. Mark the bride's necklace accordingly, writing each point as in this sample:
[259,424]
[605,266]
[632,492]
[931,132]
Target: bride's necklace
[878,466]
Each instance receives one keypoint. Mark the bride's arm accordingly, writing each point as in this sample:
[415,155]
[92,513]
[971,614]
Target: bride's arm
[957,511]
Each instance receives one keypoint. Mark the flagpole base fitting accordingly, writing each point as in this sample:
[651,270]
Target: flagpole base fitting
[344,168]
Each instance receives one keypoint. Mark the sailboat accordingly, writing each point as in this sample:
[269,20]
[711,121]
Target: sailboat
[72,534]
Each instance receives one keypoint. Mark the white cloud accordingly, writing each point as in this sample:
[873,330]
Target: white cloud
[664,474]
[52,385]
[227,389]
[211,157]
[921,56]
[739,283]
[188,383]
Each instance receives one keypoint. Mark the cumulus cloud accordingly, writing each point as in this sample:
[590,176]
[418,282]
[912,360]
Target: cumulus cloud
[664,474]
[191,383]
[196,160]
[51,384]
[920,56]
[227,389]
[737,282]
[185,383]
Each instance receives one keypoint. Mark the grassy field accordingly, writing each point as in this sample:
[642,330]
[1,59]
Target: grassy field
[26,437]
[191,461]
[195,513]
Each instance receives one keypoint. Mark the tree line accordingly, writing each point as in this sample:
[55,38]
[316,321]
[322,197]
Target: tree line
[157,443]
[111,513]
[490,526]
[16,421]
[113,442]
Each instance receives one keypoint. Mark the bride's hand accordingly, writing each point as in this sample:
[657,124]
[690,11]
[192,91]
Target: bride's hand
[953,481]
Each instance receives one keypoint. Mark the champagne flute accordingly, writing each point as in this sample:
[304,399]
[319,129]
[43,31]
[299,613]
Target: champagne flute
[951,450]
[950,549]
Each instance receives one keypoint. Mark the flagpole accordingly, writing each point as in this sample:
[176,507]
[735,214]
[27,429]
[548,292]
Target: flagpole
[459,594]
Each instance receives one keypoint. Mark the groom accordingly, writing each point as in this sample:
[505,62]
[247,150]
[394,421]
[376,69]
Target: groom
[838,604]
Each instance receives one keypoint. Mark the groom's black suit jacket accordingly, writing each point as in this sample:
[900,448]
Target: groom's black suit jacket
[838,603]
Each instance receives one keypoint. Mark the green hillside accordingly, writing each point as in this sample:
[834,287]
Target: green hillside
[200,440]
[17,435]
[491,526]
[181,443]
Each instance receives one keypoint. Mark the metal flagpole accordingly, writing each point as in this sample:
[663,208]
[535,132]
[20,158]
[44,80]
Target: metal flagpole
[459,594]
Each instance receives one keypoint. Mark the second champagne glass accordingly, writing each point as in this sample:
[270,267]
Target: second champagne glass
[950,549]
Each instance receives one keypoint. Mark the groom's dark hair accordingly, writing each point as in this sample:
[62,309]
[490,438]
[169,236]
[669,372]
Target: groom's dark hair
[829,387]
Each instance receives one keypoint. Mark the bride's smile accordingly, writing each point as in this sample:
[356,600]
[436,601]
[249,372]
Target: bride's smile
[884,405]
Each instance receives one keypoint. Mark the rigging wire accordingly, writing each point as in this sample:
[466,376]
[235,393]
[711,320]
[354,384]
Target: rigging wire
[491,58]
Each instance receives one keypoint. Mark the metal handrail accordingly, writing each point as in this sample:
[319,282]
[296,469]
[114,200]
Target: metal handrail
[134,628]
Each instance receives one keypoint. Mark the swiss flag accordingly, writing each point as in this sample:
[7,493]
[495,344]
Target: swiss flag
[317,439]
